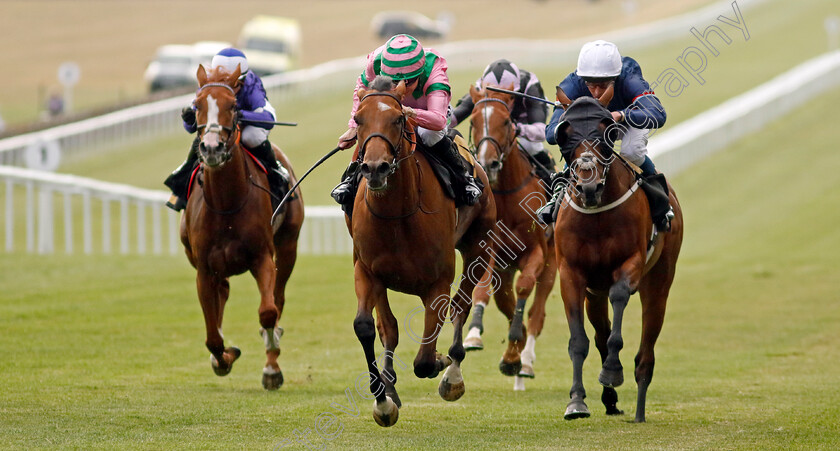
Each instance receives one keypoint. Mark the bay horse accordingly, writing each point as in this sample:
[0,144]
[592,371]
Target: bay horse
[226,226]
[523,246]
[405,231]
[606,253]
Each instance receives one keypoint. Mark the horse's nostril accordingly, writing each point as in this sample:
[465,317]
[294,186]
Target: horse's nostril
[365,168]
[384,168]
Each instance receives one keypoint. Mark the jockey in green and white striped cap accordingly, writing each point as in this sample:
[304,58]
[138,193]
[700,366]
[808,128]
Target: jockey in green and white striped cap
[403,58]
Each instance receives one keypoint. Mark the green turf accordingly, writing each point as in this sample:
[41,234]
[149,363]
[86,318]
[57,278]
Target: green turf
[108,353]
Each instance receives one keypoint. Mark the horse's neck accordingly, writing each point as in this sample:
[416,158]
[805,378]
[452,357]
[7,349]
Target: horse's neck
[225,186]
[514,170]
[403,193]
[619,180]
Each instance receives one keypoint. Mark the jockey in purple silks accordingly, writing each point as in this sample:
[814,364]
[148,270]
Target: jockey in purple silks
[634,107]
[427,98]
[528,115]
[252,105]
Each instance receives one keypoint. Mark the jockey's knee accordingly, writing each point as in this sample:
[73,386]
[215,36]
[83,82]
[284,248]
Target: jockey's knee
[430,137]
[253,136]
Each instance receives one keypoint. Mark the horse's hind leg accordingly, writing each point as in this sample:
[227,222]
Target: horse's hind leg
[389,335]
[598,314]
[212,294]
[510,364]
[371,292]
[264,273]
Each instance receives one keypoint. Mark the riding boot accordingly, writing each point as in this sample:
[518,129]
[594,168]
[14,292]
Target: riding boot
[278,176]
[468,192]
[179,180]
[345,192]
[546,168]
[656,188]
[547,214]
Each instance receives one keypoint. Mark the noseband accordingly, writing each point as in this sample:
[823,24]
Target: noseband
[393,148]
[586,161]
[487,137]
[218,128]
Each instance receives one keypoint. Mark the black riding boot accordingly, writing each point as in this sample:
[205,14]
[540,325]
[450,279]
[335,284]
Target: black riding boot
[345,192]
[179,180]
[656,189]
[548,213]
[278,176]
[546,167]
[467,190]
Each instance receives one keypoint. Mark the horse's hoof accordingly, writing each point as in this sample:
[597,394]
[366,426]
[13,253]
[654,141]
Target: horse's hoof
[526,371]
[510,368]
[611,378]
[473,344]
[613,410]
[575,410]
[224,371]
[394,397]
[387,414]
[272,379]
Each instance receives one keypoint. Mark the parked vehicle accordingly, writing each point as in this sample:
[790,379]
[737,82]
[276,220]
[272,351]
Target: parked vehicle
[175,65]
[272,44]
[389,23]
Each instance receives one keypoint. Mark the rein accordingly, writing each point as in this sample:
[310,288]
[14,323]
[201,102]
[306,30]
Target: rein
[569,200]
[502,155]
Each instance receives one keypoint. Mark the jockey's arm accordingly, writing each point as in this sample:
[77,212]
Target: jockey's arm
[551,128]
[645,112]
[462,110]
[435,115]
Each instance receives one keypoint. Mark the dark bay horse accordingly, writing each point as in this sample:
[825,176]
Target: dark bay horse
[523,245]
[405,232]
[226,226]
[604,227]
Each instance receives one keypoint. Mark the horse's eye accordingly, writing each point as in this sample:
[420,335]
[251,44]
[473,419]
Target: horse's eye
[358,120]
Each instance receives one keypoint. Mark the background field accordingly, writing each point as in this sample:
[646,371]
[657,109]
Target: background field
[108,353]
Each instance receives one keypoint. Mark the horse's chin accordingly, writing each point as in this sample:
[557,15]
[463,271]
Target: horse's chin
[214,161]
[378,187]
[492,177]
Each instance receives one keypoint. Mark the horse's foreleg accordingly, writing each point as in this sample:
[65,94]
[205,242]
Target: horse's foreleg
[598,312]
[481,296]
[572,286]
[532,266]
[389,335]
[370,293]
[653,291]
[510,364]
[536,315]
[452,386]
[626,280]
[264,273]
[427,363]
[212,294]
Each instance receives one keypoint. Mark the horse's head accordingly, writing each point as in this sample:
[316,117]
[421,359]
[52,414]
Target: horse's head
[492,129]
[381,130]
[215,104]
[586,135]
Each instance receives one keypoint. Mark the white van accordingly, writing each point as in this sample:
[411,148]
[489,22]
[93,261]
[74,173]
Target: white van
[271,44]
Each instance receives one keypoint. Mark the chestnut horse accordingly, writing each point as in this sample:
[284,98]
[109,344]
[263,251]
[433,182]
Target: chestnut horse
[606,252]
[226,227]
[523,245]
[405,231]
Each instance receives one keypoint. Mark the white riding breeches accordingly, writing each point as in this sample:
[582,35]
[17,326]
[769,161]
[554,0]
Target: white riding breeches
[253,136]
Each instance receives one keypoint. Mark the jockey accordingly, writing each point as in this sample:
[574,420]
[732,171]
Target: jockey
[252,104]
[427,101]
[634,107]
[528,115]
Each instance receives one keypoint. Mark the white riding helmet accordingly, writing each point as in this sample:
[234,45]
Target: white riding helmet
[228,59]
[599,59]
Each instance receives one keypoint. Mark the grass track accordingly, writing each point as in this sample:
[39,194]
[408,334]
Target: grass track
[107,352]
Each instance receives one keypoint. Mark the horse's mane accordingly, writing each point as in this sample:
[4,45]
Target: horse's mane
[217,75]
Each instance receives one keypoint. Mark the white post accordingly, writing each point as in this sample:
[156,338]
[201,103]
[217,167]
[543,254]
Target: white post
[124,225]
[10,216]
[45,220]
[68,222]
[87,221]
[30,216]
[106,226]
[141,227]
[156,244]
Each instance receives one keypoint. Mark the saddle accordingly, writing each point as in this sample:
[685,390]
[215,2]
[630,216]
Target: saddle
[444,170]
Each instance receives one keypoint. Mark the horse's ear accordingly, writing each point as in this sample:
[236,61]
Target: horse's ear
[400,89]
[201,75]
[361,93]
[610,130]
[233,79]
[607,95]
[510,98]
[563,98]
[475,93]
[561,133]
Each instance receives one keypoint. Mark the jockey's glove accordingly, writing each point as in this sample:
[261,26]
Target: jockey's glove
[188,115]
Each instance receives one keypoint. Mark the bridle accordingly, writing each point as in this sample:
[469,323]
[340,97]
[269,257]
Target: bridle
[487,137]
[233,130]
[394,149]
